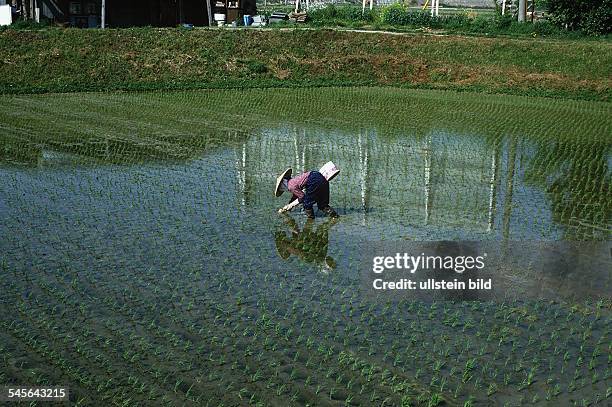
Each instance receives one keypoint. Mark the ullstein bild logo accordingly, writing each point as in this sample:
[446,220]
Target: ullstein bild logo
[432,284]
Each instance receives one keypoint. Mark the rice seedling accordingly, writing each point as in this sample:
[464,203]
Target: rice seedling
[254,328]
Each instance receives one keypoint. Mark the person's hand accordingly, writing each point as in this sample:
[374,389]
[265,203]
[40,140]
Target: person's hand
[282,210]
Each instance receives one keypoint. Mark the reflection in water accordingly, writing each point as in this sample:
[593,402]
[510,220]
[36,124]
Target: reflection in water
[241,173]
[427,181]
[363,163]
[309,244]
[147,220]
[493,187]
[509,187]
[45,150]
[436,181]
[447,181]
[439,182]
[576,178]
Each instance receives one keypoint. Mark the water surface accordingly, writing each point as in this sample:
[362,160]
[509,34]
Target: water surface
[140,242]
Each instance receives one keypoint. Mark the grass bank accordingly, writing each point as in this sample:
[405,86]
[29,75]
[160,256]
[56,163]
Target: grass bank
[68,60]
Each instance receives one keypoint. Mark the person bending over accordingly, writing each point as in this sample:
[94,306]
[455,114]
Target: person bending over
[308,188]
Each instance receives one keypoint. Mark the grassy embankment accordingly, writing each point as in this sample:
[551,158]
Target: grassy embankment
[56,60]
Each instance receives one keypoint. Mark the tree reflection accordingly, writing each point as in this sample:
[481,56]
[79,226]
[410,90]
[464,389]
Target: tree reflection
[109,149]
[576,177]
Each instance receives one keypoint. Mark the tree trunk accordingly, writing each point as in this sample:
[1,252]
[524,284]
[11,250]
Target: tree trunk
[209,12]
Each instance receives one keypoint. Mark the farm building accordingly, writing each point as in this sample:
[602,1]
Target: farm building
[138,13]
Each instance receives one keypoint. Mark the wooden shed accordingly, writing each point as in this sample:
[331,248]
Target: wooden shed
[140,13]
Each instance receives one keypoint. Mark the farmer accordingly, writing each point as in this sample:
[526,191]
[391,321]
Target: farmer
[308,188]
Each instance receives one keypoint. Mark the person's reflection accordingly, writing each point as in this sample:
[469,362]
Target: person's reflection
[309,244]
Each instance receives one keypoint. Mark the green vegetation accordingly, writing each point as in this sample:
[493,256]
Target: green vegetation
[593,17]
[138,261]
[562,24]
[399,17]
[57,60]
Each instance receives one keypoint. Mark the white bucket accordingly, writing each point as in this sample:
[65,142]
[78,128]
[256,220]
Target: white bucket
[6,17]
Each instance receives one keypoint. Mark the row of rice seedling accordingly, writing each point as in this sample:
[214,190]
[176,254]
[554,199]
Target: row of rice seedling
[139,262]
[125,311]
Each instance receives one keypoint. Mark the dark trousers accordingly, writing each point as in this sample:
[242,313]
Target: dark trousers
[317,191]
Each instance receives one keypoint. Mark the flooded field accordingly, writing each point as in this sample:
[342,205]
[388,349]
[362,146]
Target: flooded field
[142,261]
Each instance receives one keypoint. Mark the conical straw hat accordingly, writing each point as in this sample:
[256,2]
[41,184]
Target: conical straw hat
[277,191]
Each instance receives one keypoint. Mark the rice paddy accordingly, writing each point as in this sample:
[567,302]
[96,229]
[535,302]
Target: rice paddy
[142,261]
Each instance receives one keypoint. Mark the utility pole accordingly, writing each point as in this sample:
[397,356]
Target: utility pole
[522,15]
[435,8]
[34,11]
[103,15]
[209,12]
[363,5]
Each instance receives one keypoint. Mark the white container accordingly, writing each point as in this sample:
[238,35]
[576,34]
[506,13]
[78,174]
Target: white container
[219,17]
[258,21]
[329,170]
[6,18]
